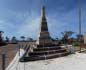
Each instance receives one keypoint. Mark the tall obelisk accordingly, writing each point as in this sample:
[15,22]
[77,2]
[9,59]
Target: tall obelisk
[44,36]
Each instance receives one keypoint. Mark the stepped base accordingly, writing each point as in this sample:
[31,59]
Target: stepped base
[38,53]
[44,53]
[47,48]
[50,56]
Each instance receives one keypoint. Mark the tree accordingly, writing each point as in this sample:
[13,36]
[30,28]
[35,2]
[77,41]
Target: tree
[57,39]
[2,42]
[1,36]
[7,39]
[80,37]
[66,35]
[23,38]
[30,39]
[14,40]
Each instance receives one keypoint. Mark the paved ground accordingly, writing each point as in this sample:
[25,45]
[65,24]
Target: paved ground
[72,62]
[11,50]
[75,61]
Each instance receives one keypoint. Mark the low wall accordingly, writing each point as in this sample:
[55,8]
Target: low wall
[15,61]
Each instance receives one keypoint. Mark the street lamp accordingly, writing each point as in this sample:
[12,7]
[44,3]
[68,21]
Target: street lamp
[3,57]
[79,8]
[3,44]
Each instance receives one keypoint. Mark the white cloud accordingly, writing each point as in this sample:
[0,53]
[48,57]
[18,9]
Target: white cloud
[27,23]
[56,24]
[29,27]
[5,25]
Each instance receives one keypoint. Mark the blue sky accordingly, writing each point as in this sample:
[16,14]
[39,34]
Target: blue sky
[22,17]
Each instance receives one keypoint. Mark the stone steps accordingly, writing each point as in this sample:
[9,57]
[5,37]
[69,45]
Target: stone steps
[44,57]
[46,48]
[42,53]
[46,52]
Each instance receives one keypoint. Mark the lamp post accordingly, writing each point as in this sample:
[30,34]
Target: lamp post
[19,49]
[3,58]
[79,9]
[2,44]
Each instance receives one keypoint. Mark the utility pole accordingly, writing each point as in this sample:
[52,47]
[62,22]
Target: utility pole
[79,8]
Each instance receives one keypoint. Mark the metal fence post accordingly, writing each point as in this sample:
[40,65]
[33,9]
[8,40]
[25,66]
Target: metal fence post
[3,61]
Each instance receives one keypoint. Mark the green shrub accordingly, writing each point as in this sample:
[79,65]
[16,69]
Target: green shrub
[76,43]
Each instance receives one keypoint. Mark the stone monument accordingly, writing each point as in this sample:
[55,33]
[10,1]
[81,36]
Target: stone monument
[43,36]
[44,48]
